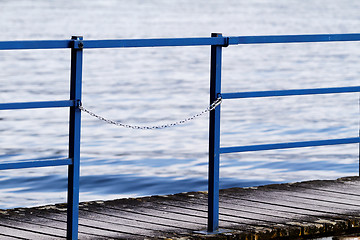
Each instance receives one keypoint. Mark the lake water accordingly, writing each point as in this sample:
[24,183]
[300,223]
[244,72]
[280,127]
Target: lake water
[151,86]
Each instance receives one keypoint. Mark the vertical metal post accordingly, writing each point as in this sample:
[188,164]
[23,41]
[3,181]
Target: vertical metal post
[74,139]
[214,139]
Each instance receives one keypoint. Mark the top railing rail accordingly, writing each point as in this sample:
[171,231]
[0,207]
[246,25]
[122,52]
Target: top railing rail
[172,42]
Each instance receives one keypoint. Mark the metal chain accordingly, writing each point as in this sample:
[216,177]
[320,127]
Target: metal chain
[216,103]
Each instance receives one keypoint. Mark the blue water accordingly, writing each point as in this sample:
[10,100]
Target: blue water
[152,86]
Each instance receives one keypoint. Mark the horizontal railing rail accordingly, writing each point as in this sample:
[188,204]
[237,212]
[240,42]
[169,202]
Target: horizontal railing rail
[36,163]
[274,146]
[291,92]
[217,42]
[173,42]
[40,44]
[295,38]
[44,104]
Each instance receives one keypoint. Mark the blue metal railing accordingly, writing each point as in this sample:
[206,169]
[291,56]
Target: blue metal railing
[217,42]
[73,160]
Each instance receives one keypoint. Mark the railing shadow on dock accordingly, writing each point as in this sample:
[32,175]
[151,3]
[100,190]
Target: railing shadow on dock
[217,42]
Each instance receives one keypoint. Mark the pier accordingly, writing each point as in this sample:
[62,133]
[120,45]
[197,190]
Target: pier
[279,211]
[271,212]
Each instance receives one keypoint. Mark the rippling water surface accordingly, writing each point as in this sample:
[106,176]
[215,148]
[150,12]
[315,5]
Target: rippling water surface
[151,86]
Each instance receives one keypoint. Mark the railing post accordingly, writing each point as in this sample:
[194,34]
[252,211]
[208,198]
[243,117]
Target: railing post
[214,139]
[74,139]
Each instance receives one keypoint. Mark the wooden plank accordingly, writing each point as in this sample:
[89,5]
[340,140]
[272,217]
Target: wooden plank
[34,225]
[8,237]
[54,222]
[84,231]
[237,218]
[227,207]
[292,227]
[156,210]
[316,192]
[197,199]
[102,229]
[324,197]
[41,216]
[311,199]
[199,213]
[128,221]
[242,216]
[196,219]
[293,202]
[288,210]
[268,212]
[344,190]
[149,224]
[150,218]
[23,233]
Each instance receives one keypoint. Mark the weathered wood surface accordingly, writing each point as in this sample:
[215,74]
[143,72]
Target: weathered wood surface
[288,211]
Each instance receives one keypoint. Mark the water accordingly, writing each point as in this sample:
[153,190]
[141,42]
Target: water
[158,85]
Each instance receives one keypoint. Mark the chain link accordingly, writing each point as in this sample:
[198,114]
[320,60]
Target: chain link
[216,103]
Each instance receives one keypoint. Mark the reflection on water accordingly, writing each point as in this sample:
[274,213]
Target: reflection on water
[152,86]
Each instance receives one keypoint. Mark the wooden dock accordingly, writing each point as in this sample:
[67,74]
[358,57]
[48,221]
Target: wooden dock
[281,211]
